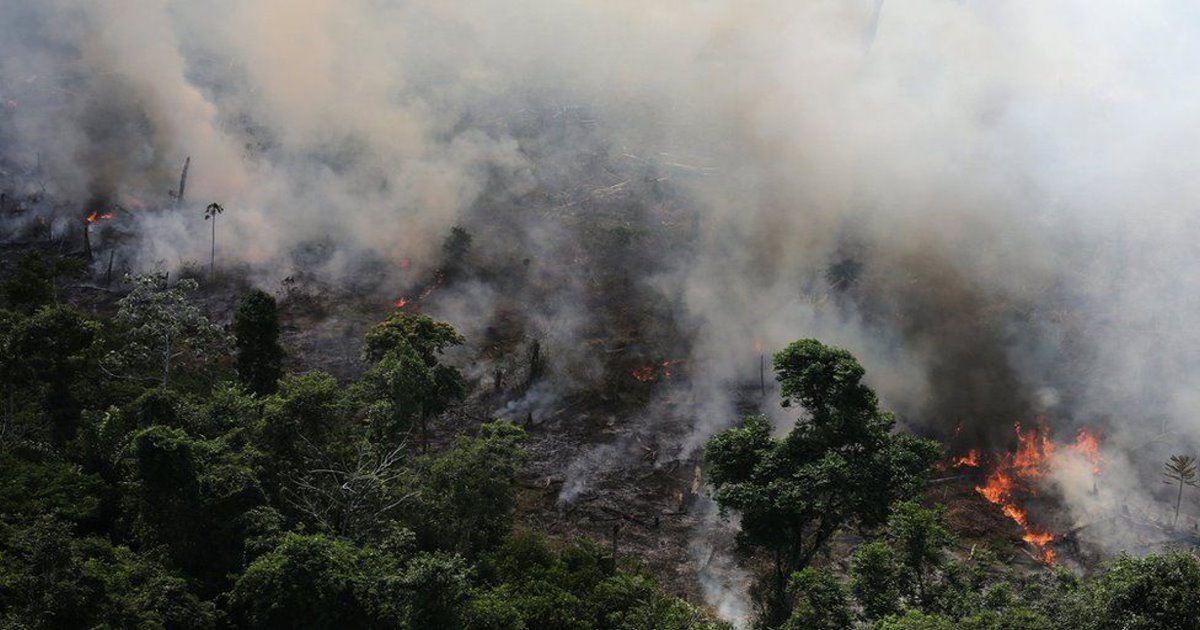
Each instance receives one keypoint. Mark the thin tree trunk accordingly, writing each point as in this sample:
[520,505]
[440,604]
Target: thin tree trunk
[1178,501]
[212,261]
[166,373]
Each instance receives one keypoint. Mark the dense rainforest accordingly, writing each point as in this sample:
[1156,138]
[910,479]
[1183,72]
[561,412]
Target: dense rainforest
[163,470]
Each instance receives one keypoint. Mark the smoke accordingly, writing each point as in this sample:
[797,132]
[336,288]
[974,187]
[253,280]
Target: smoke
[989,204]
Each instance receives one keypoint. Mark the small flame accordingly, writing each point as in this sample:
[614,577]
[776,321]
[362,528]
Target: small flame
[1087,444]
[651,373]
[970,459]
[401,302]
[758,345]
[95,216]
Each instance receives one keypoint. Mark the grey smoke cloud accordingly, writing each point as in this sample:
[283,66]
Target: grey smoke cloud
[1012,182]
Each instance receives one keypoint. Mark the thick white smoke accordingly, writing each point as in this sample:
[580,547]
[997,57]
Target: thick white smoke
[1008,186]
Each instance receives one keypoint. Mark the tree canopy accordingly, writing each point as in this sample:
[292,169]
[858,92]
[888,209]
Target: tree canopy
[840,465]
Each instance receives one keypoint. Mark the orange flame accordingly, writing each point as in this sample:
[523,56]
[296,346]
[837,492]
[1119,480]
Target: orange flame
[1087,444]
[401,302]
[970,459]
[1019,471]
[94,216]
[651,373]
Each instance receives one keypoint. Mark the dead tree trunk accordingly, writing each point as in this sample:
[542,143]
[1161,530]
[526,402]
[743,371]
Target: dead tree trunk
[182,182]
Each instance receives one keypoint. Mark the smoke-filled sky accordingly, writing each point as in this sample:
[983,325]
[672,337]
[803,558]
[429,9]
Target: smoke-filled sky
[990,203]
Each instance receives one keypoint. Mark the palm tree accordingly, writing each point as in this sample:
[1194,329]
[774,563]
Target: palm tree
[1180,469]
[211,212]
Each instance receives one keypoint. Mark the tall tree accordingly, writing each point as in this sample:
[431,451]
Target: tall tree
[840,465]
[259,360]
[211,212]
[162,328]
[407,381]
[467,494]
[51,349]
[32,284]
[1181,469]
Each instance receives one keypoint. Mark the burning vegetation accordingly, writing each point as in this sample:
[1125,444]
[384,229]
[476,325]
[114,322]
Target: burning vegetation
[588,287]
[1012,478]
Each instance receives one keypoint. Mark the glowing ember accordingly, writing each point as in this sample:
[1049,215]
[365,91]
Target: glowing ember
[95,216]
[644,374]
[438,279]
[651,373]
[970,459]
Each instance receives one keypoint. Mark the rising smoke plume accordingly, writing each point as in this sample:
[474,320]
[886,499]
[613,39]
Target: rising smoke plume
[989,204]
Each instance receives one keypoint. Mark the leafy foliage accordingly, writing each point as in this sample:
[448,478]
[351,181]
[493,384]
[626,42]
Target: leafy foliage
[1156,591]
[840,466]
[259,361]
[32,284]
[161,328]
[148,488]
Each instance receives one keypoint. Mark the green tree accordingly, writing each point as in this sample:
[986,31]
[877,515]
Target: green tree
[437,585]
[840,465]
[920,539]
[527,582]
[407,382]
[197,498]
[875,580]
[162,328]
[1155,591]
[402,392]
[820,602]
[52,348]
[455,249]
[37,489]
[424,334]
[52,579]
[259,359]
[914,619]
[32,284]
[304,414]
[465,496]
[1181,470]
[318,582]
